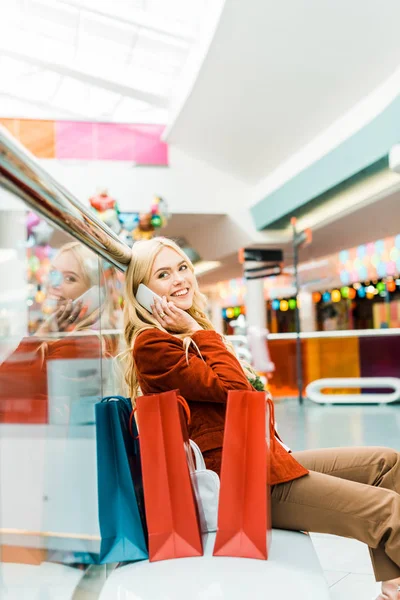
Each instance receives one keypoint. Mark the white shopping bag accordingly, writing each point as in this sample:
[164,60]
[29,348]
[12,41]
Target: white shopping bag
[206,485]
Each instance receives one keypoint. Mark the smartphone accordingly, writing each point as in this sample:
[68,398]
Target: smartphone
[92,299]
[146,297]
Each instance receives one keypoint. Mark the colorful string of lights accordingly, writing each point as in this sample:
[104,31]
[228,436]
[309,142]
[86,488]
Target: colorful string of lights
[358,290]
[284,305]
[233,312]
[366,290]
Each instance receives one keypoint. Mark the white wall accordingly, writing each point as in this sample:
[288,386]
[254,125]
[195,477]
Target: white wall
[188,185]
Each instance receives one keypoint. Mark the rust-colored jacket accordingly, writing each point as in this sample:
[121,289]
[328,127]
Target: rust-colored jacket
[161,366]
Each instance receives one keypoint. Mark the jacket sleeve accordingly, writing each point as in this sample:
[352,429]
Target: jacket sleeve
[161,364]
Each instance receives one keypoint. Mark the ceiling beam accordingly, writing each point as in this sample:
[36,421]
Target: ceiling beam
[86,77]
[141,20]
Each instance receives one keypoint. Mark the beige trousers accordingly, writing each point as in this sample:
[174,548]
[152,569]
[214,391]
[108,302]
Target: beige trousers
[350,492]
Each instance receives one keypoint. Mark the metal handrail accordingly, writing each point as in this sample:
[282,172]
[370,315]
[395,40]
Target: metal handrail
[21,174]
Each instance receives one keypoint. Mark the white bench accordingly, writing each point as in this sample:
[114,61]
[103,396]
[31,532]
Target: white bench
[314,393]
[291,571]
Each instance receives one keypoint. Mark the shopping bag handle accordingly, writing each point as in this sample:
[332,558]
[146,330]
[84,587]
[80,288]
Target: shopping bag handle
[108,398]
[131,416]
[271,405]
[181,401]
[199,458]
[186,408]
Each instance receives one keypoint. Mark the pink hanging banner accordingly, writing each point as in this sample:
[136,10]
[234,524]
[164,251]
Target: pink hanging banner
[111,141]
[75,140]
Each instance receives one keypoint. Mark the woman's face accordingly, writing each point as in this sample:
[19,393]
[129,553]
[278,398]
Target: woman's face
[66,278]
[171,277]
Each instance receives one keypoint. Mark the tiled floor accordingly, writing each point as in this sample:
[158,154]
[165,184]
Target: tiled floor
[347,567]
[346,562]
[315,426]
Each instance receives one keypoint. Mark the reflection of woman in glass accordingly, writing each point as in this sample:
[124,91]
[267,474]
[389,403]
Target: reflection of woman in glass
[74,293]
[78,296]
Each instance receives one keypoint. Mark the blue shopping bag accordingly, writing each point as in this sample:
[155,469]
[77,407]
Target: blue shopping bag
[120,489]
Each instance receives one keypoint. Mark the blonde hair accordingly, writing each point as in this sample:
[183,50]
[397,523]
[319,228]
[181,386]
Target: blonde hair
[137,318]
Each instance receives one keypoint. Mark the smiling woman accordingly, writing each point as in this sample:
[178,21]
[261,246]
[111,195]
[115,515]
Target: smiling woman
[172,278]
[352,492]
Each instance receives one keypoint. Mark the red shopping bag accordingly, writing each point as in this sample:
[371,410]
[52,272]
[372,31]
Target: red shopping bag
[171,509]
[243,513]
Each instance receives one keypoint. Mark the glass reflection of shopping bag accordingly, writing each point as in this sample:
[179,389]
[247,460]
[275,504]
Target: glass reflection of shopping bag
[120,490]
[74,387]
[171,509]
[243,513]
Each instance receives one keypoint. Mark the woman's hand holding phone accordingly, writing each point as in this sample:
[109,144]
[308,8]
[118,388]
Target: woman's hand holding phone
[172,318]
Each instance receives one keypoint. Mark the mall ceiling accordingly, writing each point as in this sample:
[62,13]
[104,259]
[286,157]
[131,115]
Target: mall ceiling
[279,73]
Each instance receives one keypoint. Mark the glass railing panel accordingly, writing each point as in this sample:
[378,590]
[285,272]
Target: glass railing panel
[60,333]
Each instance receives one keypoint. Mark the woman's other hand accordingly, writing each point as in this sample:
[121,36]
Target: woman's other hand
[173,318]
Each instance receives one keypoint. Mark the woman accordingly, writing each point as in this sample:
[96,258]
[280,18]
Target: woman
[348,492]
[78,297]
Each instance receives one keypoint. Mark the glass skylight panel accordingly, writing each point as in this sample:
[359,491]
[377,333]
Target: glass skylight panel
[26,81]
[12,69]
[150,62]
[132,104]
[38,85]
[149,81]
[72,95]
[12,107]
[13,14]
[100,57]
[102,28]
[182,12]
[153,54]
[87,99]
[101,102]
[118,7]
[33,46]
[46,17]
[57,33]
[103,66]
[105,42]
[136,13]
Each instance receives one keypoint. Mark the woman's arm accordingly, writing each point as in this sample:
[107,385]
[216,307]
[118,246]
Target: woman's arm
[161,364]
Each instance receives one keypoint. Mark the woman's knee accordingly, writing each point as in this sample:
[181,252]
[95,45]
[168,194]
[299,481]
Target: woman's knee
[389,457]
[389,469]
